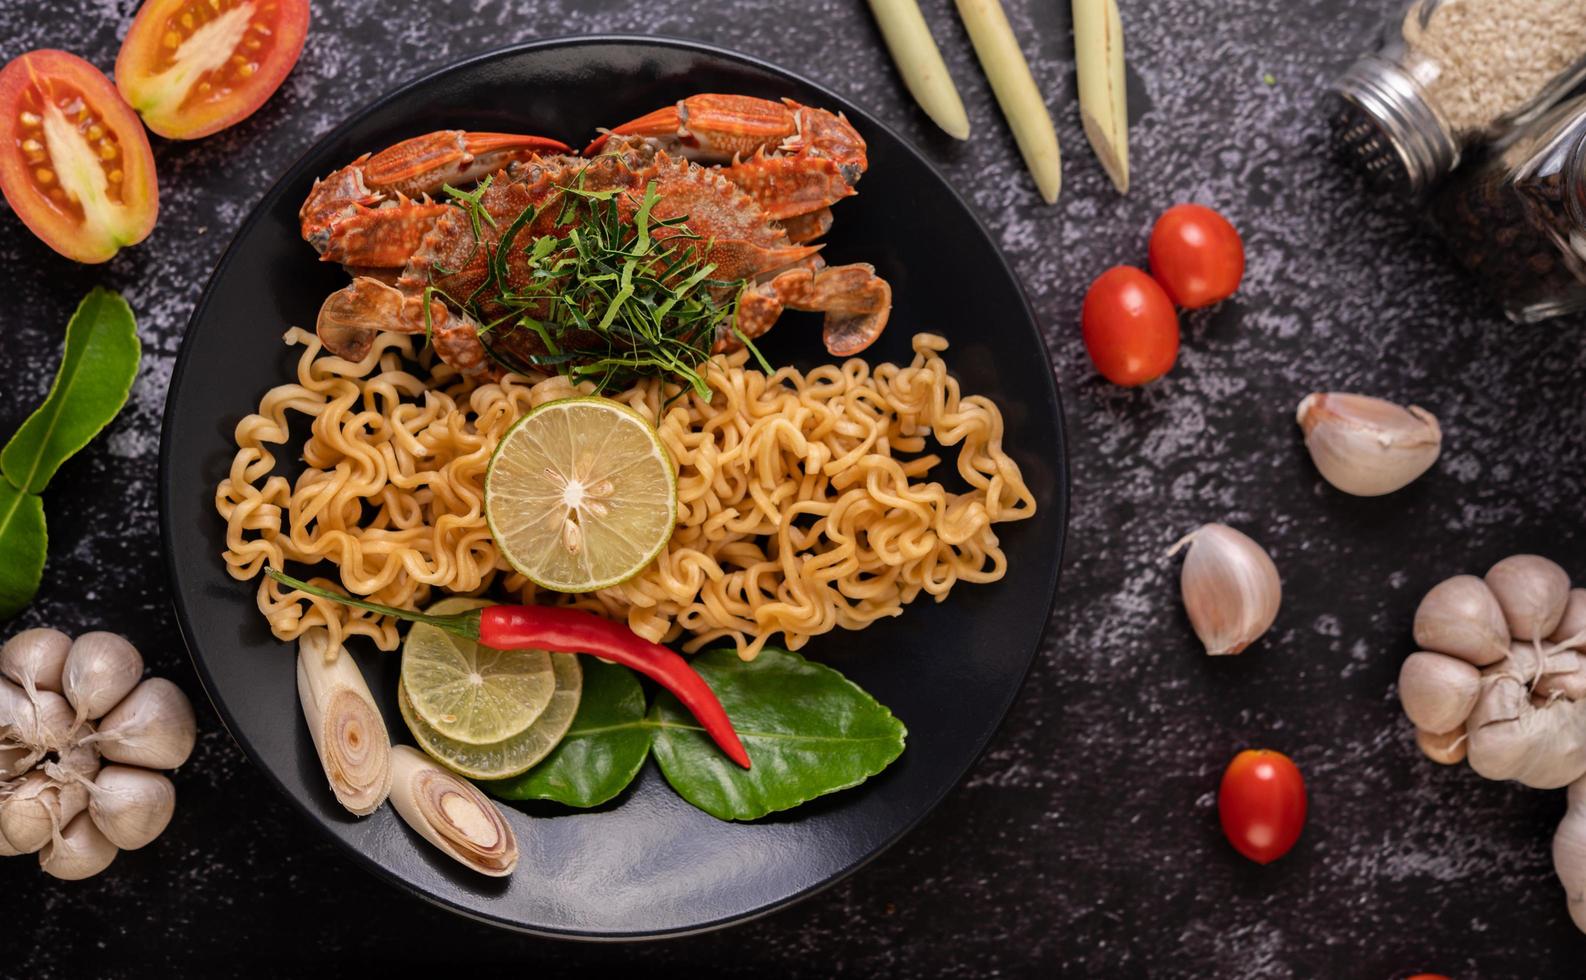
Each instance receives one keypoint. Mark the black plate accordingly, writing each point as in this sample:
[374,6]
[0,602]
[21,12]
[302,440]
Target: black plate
[646,864]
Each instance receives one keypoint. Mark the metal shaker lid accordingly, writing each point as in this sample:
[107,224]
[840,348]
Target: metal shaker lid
[1384,122]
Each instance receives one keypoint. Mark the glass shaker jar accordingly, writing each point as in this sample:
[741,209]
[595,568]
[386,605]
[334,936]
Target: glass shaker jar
[1516,218]
[1454,73]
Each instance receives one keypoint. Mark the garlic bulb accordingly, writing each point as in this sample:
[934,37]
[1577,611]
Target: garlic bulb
[1366,446]
[1230,588]
[1447,749]
[451,813]
[132,806]
[100,670]
[1438,692]
[80,851]
[1533,592]
[34,659]
[345,724]
[152,727]
[1461,617]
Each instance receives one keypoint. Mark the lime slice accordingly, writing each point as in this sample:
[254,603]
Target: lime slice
[514,755]
[469,692]
[581,494]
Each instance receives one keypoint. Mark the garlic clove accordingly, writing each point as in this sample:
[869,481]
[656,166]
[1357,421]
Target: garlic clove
[1230,588]
[1367,446]
[1438,692]
[1571,629]
[6,850]
[25,818]
[131,806]
[451,813]
[1533,593]
[43,723]
[81,851]
[34,659]
[1569,853]
[1447,749]
[152,727]
[100,670]
[1461,617]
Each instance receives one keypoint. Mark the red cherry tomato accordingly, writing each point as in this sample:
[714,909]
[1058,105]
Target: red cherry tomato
[1262,804]
[1196,255]
[192,67]
[74,161]
[1130,327]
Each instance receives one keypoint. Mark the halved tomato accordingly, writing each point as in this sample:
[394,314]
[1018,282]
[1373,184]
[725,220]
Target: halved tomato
[74,160]
[194,67]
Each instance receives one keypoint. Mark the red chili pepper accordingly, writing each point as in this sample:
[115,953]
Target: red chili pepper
[561,630]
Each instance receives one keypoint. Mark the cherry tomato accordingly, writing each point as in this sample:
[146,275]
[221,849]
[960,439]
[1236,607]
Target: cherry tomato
[193,67]
[1196,255]
[1262,804]
[1130,327]
[74,161]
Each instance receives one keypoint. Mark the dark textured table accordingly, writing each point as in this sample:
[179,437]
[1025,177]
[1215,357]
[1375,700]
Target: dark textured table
[1085,842]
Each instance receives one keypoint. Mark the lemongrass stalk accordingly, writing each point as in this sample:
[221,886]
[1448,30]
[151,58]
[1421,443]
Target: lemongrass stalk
[1014,86]
[1103,101]
[345,723]
[920,63]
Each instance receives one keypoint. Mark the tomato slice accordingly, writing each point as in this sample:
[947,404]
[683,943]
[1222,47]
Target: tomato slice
[75,163]
[194,67]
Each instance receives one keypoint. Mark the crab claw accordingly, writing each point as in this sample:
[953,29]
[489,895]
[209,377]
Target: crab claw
[351,318]
[856,301]
[794,160]
[424,164]
[713,128]
[414,168]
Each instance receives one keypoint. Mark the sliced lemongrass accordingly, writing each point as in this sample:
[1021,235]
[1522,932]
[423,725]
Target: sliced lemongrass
[344,722]
[919,61]
[1021,101]
[451,813]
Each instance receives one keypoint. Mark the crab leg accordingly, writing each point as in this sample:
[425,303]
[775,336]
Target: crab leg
[792,158]
[352,316]
[415,167]
[855,300]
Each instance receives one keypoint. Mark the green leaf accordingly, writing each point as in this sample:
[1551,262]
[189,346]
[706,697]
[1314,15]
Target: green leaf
[23,543]
[601,752]
[809,731]
[96,372]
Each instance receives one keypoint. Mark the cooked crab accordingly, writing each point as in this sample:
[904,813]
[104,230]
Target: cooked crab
[411,256]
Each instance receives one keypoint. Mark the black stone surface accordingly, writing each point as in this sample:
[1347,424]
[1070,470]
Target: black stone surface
[1085,842]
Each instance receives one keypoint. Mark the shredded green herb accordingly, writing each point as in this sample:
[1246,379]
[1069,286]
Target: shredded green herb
[608,299]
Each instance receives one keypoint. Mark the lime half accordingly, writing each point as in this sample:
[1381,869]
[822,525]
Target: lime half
[510,756]
[581,494]
[467,691]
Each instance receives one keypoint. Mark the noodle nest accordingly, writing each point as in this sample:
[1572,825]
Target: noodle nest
[804,502]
